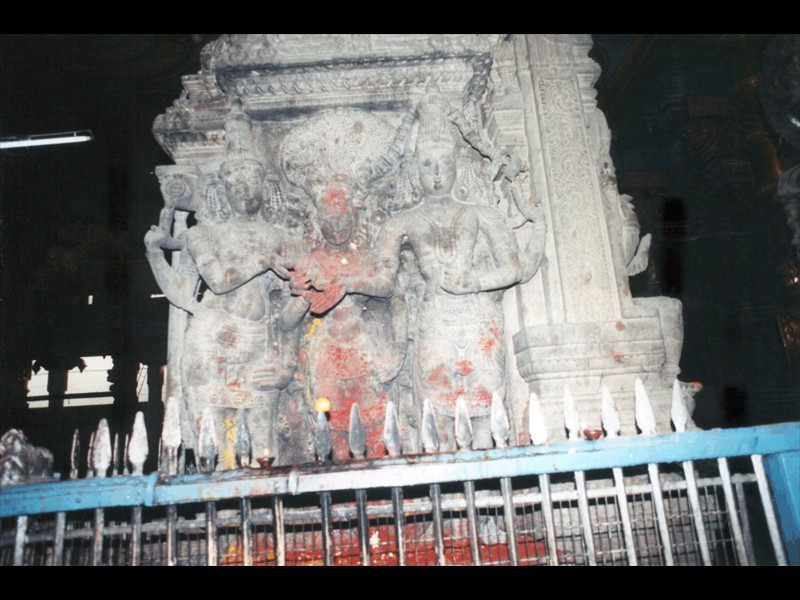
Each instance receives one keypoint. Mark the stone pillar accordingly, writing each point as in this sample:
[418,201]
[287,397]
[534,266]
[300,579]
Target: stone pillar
[579,325]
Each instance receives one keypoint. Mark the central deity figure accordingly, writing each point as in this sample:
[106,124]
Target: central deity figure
[348,355]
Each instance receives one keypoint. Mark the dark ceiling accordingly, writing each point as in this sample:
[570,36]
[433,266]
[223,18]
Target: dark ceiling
[690,144]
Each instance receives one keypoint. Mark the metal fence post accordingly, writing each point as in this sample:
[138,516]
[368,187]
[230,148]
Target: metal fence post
[783,471]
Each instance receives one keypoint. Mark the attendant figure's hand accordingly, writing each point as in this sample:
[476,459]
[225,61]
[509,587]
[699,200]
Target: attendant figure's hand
[510,165]
[271,376]
[154,238]
[281,266]
[299,282]
[464,283]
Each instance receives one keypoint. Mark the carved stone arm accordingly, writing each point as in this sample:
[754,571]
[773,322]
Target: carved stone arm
[509,165]
[381,284]
[293,312]
[222,278]
[506,270]
[178,290]
[532,256]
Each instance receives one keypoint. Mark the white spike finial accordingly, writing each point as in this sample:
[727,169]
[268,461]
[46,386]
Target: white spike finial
[430,432]
[609,414]
[207,441]
[357,437]
[101,454]
[137,446]
[391,431]
[89,455]
[499,421]
[463,424]
[75,455]
[643,411]
[323,442]
[171,430]
[243,444]
[115,448]
[679,412]
[571,420]
[536,425]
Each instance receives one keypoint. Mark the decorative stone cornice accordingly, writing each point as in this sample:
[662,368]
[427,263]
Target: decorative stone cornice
[276,77]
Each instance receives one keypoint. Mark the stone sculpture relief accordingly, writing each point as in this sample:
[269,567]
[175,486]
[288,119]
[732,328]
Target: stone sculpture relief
[348,299]
[21,461]
[372,213]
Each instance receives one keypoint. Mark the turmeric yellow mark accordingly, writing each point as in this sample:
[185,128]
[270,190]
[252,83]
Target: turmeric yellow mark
[312,328]
[228,454]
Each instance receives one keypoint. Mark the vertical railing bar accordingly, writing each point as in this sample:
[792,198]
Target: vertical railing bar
[746,533]
[172,518]
[697,513]
[472,522]
[247,533]
[733,515]
[327,533]
[622,501]
[97,539]
[438,525]
[363,526]
[583,511]
[724,526]
[58,539]
[661,514]
[715,525]
[399,525]
[280,532]
[19,540]
[212,536]
[509,513]
[549,521]
[769,510]
[649,535]
[136,536]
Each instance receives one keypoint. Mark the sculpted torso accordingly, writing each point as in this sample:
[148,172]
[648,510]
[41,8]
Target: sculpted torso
[223,254]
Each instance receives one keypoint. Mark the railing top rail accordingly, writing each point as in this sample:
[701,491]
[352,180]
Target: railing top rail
[606,453]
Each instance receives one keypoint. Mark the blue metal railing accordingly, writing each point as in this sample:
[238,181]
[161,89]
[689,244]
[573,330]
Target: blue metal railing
[777,476]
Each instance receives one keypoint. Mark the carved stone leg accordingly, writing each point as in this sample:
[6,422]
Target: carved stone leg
[446,427]
[482,433]
[295,436]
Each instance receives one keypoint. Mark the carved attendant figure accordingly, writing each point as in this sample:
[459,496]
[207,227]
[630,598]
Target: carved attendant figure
[234,356]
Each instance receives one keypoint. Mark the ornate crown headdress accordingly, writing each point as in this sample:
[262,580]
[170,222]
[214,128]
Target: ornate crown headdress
[341,145]
[239,146]
[435,119]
